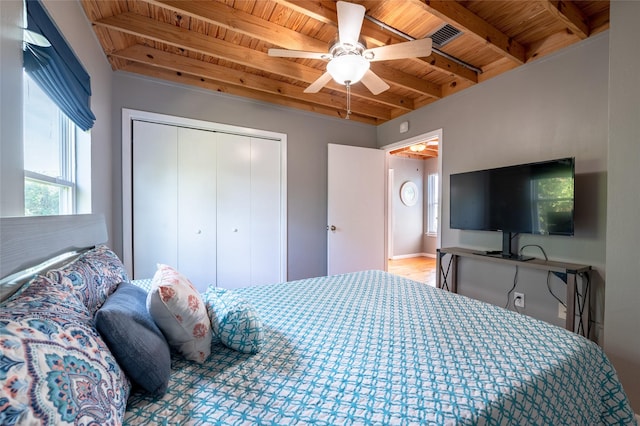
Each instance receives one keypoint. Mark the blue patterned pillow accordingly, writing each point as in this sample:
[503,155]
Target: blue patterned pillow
[54,367]
[93,276]
[134,339]
[234,321]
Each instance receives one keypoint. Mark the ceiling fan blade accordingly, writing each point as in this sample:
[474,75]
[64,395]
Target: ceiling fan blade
[350,17]
[286,53]
[375,84]
[318,84]
[409,49]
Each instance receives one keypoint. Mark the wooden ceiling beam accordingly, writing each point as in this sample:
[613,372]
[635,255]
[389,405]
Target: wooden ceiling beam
[194,81]
[567,12]
[462,18]
[178,63]
[227,17]
[374,35]
[217,13]
[599,22]
[182,38]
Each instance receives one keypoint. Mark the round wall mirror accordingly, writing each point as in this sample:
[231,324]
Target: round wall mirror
[409,193]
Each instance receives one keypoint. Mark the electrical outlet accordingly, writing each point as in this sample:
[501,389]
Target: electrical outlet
[562,311]
[518,300]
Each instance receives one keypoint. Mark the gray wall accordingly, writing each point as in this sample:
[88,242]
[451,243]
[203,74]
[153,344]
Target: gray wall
[408,221]
[622,315]
[550,108]
[70,19]
[307,138]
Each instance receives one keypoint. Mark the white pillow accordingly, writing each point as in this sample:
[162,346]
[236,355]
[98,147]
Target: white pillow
[178,310]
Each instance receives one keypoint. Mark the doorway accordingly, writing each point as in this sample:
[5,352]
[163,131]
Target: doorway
[414,198]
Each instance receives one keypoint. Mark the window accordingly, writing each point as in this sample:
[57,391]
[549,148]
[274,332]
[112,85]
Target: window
[432,204]
[553,200]
[49,154]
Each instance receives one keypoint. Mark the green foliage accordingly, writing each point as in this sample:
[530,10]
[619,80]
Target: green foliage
[554,201]
[41,199]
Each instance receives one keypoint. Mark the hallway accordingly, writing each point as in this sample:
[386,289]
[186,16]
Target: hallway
[421,269]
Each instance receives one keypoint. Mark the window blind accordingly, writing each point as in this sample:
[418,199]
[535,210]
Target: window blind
[56,69]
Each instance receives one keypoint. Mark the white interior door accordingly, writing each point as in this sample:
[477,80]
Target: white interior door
[266,202]
[356,209]
[155,197]
[197,206]
[234,211]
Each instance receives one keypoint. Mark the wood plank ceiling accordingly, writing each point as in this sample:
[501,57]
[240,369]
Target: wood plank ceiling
[222,45]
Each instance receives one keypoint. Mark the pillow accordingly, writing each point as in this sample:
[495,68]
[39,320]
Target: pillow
[178,310]
[54,367]
[134,339]
[234,321]
[93,276]
[40,296]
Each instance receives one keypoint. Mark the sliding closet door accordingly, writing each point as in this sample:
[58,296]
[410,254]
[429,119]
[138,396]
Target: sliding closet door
[266,205]
[208,203]
[155,197]
[249,211]
[233,211]
[197,206]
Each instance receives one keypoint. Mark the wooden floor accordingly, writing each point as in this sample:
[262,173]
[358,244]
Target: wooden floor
[422,269]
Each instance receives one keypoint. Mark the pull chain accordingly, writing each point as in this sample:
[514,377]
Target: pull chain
[348,84]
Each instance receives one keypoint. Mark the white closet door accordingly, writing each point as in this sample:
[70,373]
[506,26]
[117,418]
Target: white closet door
[266,254]
[233,211]
[197,206]
[155,197]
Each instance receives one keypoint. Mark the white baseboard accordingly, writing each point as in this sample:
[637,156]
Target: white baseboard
[407,256]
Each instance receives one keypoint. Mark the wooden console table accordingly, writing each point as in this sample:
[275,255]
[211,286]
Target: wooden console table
[448,279]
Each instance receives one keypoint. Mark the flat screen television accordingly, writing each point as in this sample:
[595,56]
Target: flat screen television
[534,198]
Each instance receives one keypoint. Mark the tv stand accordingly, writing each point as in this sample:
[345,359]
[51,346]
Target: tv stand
[448,279]
[501,255]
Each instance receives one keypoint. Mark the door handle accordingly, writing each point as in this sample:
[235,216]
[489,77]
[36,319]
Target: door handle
[331,228]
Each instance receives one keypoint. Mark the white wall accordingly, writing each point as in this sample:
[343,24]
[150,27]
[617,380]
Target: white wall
[550,108]
[622,312]
[70,19]
[408,221]
[11,164]
[429,242]
[307,137]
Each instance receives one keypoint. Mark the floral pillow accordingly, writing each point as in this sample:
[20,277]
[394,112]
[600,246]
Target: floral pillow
[178,310]
[41,296]
[93,276]
[54,367]
[234,321]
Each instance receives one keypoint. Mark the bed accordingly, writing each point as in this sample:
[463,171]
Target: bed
[361,348]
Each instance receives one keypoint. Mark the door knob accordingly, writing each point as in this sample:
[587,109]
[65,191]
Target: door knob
[331,228]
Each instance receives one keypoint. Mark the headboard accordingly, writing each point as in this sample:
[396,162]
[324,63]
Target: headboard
[28,241]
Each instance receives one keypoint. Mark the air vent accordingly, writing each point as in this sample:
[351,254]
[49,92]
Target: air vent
[444,35]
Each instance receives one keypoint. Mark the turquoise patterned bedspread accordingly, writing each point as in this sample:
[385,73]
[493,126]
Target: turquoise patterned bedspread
[375,348]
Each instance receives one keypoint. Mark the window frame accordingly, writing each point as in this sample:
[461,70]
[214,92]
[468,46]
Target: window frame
[432,205]
[67,181]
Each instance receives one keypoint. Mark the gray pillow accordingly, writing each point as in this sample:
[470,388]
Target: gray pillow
[134,339]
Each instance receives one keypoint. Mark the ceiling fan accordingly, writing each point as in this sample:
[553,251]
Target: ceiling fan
[349,58]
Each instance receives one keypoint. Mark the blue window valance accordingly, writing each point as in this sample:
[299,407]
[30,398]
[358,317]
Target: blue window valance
[56,69]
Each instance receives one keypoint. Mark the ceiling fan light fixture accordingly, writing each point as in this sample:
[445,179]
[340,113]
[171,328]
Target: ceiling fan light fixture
[348,68]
